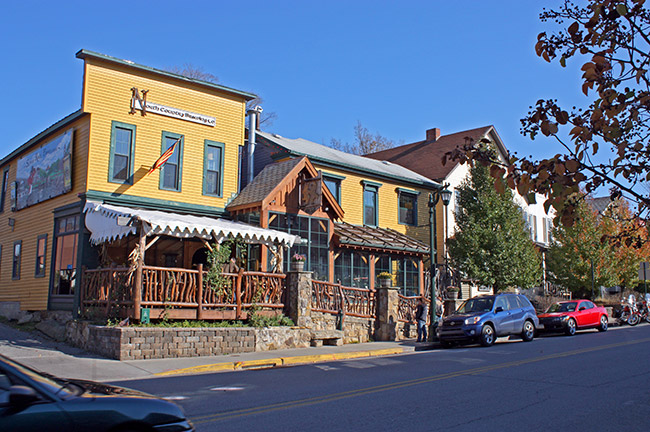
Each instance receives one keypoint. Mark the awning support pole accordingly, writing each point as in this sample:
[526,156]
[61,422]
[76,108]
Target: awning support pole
[137,289]
[152,242]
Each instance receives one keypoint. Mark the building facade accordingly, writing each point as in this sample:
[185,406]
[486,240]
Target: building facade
[74,195]
[366,222]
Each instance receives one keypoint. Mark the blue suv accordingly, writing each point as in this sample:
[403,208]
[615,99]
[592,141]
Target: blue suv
[484,318]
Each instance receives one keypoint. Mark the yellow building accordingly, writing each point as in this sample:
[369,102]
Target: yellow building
[87,180]
[373,216]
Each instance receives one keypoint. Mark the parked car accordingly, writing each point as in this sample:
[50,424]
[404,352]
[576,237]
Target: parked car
[32,401]
[484,318]
[572,315]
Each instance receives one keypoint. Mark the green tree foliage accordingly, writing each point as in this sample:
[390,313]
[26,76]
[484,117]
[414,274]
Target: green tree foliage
[492,244]
[576,247]
[609,41]
[593,238]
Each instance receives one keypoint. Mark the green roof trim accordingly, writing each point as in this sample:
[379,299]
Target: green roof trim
[83,54]
[408,191]
[154,204]
[371,184]
[49,131]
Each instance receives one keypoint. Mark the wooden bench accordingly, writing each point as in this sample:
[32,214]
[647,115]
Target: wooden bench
[326,337]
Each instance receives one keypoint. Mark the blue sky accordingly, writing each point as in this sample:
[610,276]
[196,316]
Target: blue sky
[397,67]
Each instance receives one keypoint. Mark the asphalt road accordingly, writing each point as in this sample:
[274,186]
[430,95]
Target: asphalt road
[592,381]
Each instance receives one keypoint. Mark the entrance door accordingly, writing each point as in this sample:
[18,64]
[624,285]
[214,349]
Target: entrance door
[64,270]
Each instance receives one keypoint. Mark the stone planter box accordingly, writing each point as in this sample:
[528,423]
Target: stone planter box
[138,343]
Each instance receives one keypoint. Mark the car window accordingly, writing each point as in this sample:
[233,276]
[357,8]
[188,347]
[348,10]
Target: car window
[525,303]
[5,384]
[501,302]
[512,302]
[568,307]
[477,304]
[587,305]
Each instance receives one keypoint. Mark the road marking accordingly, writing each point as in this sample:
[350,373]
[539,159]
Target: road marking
[228,415]
[175,398]
[326,368]
[227,388]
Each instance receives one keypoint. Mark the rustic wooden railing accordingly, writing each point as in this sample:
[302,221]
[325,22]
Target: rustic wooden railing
[107,291]
[406,308]
[335,298]
[176,293]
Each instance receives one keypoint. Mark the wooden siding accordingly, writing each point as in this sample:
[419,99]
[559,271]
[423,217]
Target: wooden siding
[388,198]
[107,96]
[33,221]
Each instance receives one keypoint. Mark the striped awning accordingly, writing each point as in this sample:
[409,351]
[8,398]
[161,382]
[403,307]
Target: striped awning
[108,222]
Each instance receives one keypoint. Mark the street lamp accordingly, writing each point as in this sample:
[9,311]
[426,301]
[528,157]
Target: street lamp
[434,197]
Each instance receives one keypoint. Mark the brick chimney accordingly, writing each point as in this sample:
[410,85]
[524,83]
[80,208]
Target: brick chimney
[433,134]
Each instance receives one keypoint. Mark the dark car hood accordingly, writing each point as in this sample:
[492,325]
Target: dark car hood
[94,387]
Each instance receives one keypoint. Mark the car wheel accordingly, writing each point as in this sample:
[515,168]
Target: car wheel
[570,329]
[528,332]
[487,335]
[603,324]
[633,319]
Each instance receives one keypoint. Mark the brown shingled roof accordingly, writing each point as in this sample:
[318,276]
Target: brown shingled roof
[425,157]
[377,238]
[264,183]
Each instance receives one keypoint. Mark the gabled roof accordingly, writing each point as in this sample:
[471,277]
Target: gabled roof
[377,238]
[346,161]
[263,183]
[271,179]
[83,54]
[425,157]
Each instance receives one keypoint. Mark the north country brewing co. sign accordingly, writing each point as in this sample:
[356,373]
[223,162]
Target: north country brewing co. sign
[140,103]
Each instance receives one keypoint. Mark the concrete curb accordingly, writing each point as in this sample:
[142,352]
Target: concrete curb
[280,361]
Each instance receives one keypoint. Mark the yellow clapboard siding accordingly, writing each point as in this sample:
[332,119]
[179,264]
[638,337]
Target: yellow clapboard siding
[388,198]
[108,98]
[33,221]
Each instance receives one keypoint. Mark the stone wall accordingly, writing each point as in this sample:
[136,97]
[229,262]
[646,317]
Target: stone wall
[137,343]
[355,329]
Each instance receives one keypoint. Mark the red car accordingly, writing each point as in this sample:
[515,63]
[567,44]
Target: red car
[569,316]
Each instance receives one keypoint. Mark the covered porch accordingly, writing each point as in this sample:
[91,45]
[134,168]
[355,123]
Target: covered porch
[157,262]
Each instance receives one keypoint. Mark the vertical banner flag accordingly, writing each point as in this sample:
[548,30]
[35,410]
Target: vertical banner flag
[163,157]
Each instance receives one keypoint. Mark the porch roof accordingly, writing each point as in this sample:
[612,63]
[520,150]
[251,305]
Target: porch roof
[377,238]
[102,222]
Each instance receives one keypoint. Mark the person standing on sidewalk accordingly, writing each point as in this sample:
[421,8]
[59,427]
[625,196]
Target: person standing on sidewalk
[421,318]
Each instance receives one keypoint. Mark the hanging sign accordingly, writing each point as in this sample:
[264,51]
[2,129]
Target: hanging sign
[311,194]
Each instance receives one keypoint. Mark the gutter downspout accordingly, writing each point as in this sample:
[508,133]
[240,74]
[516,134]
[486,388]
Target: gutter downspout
[252,128]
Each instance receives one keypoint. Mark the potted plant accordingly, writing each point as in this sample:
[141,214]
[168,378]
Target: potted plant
[452,292]
[384,279]
[298,262]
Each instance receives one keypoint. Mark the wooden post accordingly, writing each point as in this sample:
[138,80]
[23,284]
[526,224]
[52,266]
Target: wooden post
[199,290]
[109,289]
[137,289]
[238,311]
[82,290]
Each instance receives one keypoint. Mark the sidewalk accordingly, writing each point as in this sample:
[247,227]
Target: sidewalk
[57,358]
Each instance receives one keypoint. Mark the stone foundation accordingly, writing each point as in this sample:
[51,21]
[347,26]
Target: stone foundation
[355,329]
[138,343]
